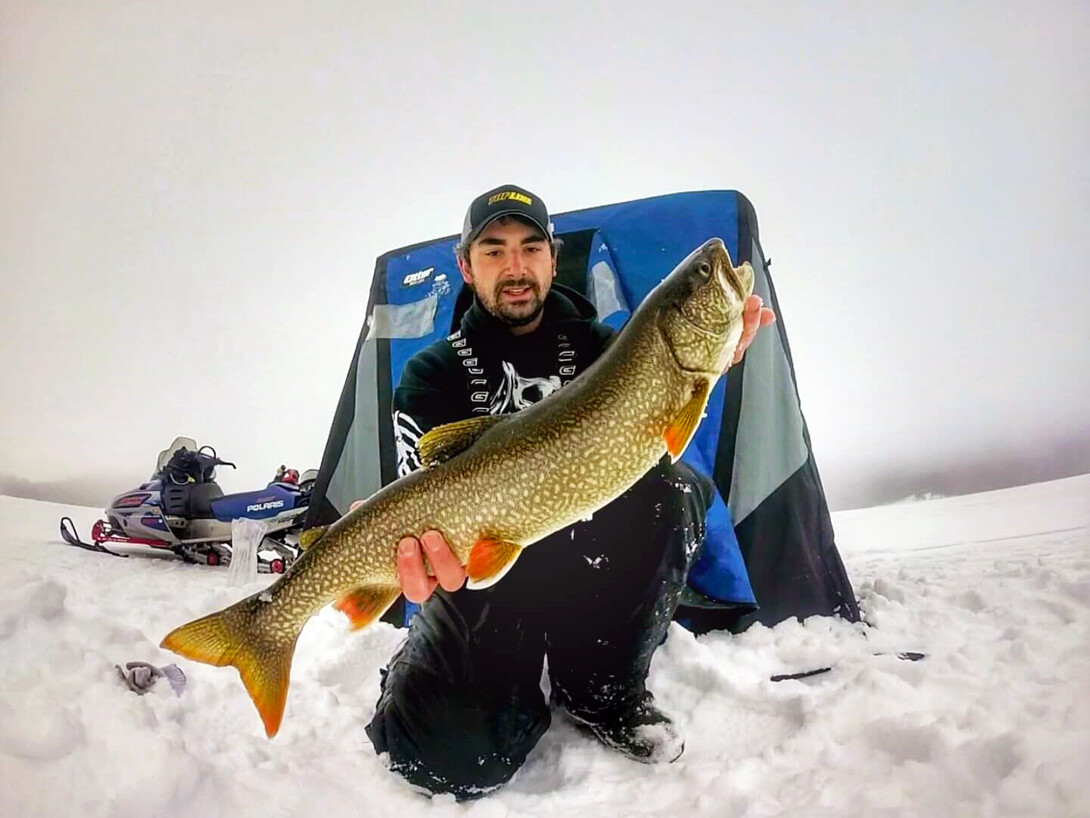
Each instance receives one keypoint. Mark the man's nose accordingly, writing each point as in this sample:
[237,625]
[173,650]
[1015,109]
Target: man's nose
[514,263]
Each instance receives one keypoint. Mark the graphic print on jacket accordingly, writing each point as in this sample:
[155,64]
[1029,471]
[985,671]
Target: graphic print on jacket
[513,394]
[516,392]
[482,368]
[407,436]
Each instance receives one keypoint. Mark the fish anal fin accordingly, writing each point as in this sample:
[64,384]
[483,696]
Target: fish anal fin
[444,442]
[311,536]
[683,427]
[367,603]
[262,658]
[489,560]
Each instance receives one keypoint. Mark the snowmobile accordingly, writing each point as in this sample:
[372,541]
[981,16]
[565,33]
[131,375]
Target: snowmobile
[182,509]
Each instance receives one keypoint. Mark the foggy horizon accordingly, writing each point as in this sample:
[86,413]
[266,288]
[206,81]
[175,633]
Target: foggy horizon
[984,474]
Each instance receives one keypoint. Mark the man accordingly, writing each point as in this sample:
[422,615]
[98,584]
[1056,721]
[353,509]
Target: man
[461,702]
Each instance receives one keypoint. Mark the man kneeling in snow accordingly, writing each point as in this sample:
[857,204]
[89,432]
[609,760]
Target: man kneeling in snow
[461,704]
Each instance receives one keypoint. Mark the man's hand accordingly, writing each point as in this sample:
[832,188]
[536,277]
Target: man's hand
[411,571]
[415,582]
[754,316]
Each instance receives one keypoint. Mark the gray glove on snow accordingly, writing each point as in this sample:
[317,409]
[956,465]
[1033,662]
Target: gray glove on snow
[140,676]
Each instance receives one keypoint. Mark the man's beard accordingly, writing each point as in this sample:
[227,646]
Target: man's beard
[515,316]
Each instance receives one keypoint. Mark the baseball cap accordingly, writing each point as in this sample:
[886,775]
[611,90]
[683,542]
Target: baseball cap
[505,200]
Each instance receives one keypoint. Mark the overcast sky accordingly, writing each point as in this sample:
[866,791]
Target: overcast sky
[193,195]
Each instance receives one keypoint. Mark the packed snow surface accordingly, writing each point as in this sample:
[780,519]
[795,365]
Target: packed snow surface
[995,721]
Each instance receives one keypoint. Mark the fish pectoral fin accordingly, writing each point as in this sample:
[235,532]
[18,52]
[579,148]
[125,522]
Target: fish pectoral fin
[367,603]
[234,637]
[489,560]
[311,536]
[683,427]
[444,442]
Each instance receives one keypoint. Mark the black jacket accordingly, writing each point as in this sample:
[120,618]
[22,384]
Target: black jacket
[483,369]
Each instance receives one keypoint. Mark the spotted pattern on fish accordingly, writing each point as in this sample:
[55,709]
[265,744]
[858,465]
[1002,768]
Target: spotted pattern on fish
[526,476]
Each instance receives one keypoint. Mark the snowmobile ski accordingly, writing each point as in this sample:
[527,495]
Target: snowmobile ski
[68,533]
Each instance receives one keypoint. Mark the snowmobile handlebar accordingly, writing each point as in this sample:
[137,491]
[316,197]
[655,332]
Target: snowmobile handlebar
[194,467]
[210,458]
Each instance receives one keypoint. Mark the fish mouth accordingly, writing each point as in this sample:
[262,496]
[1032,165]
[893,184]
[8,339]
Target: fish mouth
[730,279]
[724,269]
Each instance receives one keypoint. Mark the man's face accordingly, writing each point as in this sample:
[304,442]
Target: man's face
[511,268]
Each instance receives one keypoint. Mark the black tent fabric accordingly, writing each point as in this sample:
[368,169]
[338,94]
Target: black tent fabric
[755,443]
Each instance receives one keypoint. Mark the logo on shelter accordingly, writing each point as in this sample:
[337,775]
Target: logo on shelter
[419,277]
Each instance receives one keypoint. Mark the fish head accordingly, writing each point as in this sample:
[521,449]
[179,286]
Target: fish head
[699,307]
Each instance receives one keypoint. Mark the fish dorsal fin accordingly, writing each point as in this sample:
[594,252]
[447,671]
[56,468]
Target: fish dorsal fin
[311,536]
[683,427]
[444,442]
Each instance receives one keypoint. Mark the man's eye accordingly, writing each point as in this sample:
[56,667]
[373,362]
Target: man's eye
[492,253]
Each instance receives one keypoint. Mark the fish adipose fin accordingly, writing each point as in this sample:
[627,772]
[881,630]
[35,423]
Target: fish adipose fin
[681,430]
[234,637]
[444,442]
[311,536]
[489,560]
[367,603]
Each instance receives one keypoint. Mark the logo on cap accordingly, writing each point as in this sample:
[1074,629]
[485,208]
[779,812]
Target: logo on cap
[510,194]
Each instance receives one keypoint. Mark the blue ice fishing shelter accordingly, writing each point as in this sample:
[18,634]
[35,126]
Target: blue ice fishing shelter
[769,553]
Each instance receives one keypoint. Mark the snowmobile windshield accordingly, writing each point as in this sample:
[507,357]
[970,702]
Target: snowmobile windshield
[178,444]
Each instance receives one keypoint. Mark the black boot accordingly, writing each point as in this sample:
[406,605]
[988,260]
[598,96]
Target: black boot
[623,575]
[642,732]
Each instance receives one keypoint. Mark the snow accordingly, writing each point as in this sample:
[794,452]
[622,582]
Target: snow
[995,721]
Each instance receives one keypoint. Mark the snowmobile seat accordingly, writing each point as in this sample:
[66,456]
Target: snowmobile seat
[190,500]
[201,496]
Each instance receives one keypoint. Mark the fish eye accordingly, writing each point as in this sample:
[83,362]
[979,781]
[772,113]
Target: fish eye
[704,269]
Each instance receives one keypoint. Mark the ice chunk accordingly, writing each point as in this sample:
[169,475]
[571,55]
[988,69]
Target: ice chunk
[246,536]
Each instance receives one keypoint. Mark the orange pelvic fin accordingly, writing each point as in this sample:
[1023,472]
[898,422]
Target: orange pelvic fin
[233,637]
[681,430]
[367,603]
[489,560]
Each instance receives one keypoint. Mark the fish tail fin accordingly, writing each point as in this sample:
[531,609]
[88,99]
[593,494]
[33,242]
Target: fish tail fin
[235,636]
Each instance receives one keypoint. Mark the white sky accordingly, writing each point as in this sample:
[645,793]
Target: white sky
[193,195]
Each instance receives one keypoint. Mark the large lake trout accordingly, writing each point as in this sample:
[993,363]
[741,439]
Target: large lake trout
[494,485]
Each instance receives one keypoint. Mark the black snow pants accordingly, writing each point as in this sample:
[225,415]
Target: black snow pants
[462,703]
